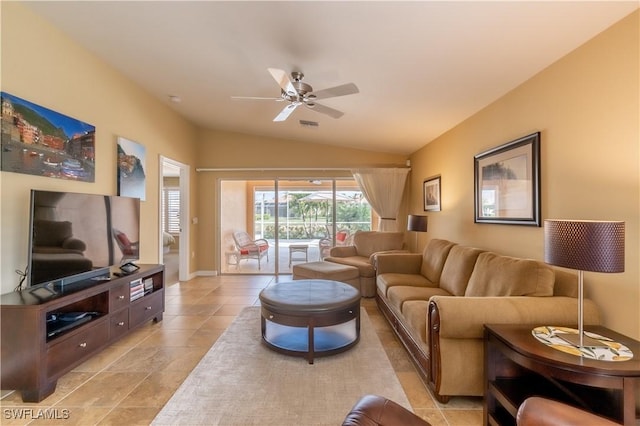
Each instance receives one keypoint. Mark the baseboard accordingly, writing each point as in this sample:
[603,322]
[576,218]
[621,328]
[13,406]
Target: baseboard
[213,273]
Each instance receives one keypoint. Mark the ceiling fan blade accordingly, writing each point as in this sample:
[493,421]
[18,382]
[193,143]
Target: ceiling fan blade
[342,90]
[286,112]
[255,98]
[283,81]
[325,110]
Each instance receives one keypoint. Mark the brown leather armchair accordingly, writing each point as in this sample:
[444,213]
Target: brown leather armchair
[536,411]
[374,410]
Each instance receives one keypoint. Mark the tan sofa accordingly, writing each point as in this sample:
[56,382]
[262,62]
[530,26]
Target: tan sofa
[361,254]
[438,302]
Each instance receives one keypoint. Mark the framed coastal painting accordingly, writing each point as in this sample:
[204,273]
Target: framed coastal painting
[39,141]
[507,183]
[431,194]
[131,169]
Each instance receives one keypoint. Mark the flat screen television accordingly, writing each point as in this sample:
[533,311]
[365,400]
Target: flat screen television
[74,236]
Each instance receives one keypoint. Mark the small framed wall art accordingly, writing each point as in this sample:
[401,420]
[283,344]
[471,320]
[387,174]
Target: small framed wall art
[431,194]
[131,169]
[507,183]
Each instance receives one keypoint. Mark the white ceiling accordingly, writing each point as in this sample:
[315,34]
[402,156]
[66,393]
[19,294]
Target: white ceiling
[422,67]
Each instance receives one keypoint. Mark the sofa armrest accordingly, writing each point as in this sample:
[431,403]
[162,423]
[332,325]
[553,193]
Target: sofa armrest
[374,410]
[343,251]
[374,256]
[399,263]
[537,411]
[465,317]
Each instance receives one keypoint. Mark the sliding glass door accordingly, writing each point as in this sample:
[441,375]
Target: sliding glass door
[299,220]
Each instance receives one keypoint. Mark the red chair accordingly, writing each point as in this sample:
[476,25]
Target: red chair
[250,249]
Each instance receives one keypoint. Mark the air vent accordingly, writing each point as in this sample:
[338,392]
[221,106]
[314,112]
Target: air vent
[306,123]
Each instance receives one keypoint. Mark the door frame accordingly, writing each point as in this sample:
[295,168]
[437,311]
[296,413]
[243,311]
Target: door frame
[184,185]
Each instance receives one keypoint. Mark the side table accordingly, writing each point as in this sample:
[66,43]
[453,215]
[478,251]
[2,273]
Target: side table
[518,366]
[298,248]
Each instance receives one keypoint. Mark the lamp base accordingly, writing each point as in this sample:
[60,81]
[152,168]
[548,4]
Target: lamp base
[574,340]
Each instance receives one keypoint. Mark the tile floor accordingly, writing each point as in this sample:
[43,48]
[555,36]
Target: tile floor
[129,382]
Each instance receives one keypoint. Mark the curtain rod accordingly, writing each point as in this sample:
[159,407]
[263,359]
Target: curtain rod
[278,169]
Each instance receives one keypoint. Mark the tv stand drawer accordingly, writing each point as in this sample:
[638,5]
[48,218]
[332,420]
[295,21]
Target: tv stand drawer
[146,308]
[119,297]
[66,352]
[119,324]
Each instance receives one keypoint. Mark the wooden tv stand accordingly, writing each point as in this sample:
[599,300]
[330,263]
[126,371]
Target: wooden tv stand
[33,358]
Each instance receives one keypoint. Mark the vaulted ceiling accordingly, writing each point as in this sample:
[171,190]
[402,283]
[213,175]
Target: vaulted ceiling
[421,67]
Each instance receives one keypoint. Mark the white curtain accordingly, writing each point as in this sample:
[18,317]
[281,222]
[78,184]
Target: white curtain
[383,190]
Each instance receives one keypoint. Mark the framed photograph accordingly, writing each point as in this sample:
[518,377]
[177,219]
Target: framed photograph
[39,141]
[507,183]
[431,191]
[131,169]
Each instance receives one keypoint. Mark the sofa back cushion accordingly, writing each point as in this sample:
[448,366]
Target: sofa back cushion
[51,233]
[434,257]
[458,268]
[369,242]
[496,275]
[565,283]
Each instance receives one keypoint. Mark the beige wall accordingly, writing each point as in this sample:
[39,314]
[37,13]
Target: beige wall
[217,149]
[41,65]
[586,107]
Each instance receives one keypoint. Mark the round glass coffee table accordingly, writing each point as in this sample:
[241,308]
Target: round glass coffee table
[310,318]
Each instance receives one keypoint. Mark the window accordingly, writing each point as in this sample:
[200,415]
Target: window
[171,210]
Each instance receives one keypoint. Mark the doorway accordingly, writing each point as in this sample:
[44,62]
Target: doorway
[174,224]
[299,219]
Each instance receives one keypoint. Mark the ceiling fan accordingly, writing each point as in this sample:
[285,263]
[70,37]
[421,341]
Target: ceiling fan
[297,93]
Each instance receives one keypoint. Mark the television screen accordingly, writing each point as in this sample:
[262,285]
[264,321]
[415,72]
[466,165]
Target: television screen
[73,234]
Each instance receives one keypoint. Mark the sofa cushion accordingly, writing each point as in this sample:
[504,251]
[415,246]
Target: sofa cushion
[496,275]
[434,257]
[386,281]
[415,316]
[362,263]
[458,268]
[399,294]
[369,242]
[565,283]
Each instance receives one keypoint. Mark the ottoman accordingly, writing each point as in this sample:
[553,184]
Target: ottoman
[328,271]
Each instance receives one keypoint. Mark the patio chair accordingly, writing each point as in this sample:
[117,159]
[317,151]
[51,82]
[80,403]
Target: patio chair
[250,249]
[343,236]
[324,245]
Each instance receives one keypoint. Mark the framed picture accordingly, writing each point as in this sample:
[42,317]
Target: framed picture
[38,141]
[507,183]
[131,169]
[431,191]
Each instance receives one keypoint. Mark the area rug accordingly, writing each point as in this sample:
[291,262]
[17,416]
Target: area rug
[242,382]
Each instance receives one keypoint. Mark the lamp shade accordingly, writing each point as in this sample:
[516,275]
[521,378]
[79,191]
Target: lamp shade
[585,245]
[417,223]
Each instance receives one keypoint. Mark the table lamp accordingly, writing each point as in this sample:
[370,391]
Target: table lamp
[585,245]
[417,224]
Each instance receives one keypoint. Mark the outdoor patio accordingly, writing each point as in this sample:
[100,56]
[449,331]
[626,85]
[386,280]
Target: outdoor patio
[230,265]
